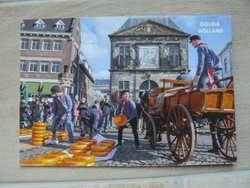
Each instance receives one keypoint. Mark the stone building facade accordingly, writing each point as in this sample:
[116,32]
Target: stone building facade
[143,51]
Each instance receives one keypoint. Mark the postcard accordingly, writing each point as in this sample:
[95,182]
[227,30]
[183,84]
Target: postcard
[127,91]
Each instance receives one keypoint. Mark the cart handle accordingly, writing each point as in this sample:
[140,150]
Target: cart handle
[226,78]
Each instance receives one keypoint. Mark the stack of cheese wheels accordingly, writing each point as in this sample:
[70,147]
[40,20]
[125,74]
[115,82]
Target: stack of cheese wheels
[59,155]
[29,131]
[30,163]
[109,143]
[100,150]
[23,132]
[62,135]
[74,162]
[47,160]
[49,135]
[78,148]
[89,158]
[88,141]
[38,133]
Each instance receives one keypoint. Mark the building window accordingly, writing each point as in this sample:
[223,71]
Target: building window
[46,45]
[59,25]
[39,24]
[24,44]
[35,45]
[225,65]
[174,53]
[57,45]
[55,68]
[123,59]
[123,85]
[23,66]
[149,57]
[44,66]
[33,66]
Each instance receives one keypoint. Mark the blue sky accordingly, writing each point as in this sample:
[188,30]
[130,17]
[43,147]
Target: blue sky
[95,44]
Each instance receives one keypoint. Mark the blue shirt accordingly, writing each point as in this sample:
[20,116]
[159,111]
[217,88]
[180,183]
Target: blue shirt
[207,59]
[94,114]
[129,109]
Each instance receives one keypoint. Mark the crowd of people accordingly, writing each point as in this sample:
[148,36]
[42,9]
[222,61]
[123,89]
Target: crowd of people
[37,110]
[74,114]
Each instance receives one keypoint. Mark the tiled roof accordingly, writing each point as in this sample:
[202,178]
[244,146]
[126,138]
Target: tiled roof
[50,25]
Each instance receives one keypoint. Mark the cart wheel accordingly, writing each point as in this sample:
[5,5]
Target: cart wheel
[180,133]
[151,133]
[225,136]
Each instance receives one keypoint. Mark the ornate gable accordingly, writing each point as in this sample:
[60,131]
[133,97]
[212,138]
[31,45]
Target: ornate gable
[150,28]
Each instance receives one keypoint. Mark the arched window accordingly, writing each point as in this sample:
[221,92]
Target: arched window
[147,85]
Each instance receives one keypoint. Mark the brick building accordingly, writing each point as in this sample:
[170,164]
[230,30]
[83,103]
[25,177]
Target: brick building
[145,50]
[50,54]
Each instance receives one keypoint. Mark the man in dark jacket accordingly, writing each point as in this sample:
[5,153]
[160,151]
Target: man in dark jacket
[105,106]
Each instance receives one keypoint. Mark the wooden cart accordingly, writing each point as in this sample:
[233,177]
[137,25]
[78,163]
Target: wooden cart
[185,110]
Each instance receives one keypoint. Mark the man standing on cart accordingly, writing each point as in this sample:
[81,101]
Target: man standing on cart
[209,68]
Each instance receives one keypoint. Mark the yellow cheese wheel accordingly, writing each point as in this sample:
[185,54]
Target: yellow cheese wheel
[47,160]
[38,139]
[76,151]
[100,153]
[62,133]
[22,134]
[110,146]
[74,162]
[30,163]
[29,131]
[58,154]
[85,143]
[39,128]
[59,163]
[23,130]
[38,135]
[99,147]
[38,132]
[91,164]
[39,124]
[78,146]
[85,156]
[108,141]
[37,143]
[93,141]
